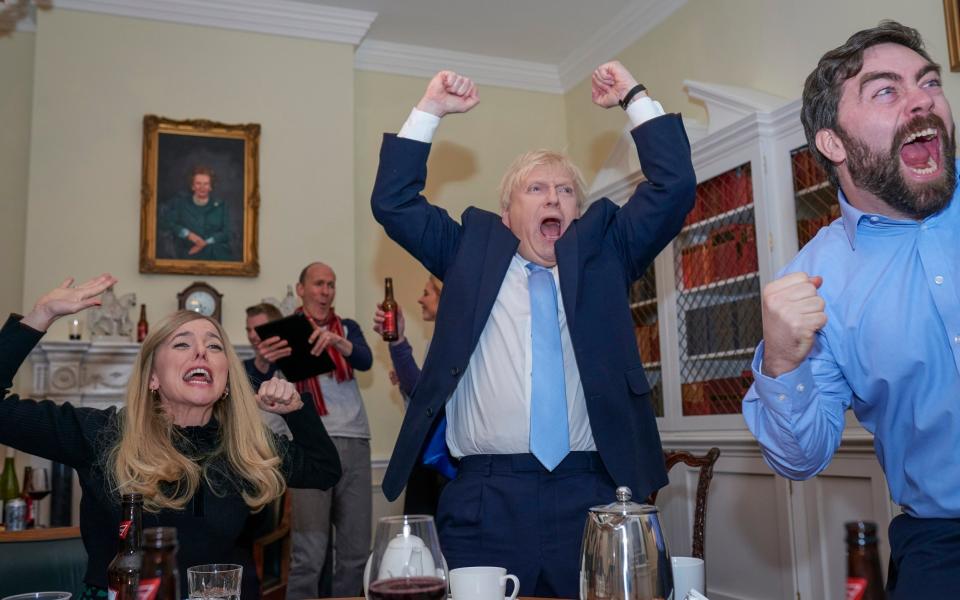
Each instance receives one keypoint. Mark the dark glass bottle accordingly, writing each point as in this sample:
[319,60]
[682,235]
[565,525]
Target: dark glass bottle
[389,307]
[864,578]
[9,486]
[142,326]
[159,578]
[123,574]
[25,492]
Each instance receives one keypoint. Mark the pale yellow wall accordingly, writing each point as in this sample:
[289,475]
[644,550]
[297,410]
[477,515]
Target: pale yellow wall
[469,155]
[768,45]
[16,91]
[96,76]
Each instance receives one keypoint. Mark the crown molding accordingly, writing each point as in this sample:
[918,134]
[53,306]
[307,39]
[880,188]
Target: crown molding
[276,17]
[632,23]
[421,61]
[727,104]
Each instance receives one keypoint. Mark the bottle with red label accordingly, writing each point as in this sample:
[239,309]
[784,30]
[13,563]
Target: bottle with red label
[864,578]
[123,574]
[159,578]
[389,306]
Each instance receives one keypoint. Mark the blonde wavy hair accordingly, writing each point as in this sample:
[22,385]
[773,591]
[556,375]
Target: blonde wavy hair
[145,460]
[521,167]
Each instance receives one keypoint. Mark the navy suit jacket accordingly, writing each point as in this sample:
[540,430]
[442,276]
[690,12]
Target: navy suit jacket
[599,256]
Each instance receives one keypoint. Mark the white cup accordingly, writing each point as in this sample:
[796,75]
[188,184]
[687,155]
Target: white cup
[482,583]
[687,575]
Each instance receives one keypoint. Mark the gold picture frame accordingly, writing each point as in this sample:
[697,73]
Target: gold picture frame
[951,14]
[199,197]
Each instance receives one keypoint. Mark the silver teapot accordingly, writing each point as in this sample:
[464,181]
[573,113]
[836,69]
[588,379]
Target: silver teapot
[624,555]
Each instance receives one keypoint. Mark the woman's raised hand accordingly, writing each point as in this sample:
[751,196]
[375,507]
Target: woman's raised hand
[67,300]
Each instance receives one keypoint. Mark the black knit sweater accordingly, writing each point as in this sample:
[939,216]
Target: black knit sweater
[215,527]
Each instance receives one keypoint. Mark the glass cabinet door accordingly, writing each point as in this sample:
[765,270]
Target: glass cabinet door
[718,295]
[643,305]
[816,197]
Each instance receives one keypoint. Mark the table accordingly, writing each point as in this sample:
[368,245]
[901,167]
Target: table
[40,534]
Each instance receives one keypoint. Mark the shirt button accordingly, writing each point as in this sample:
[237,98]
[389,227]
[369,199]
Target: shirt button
[938,280]
[429,412]
[956,339]
[874,219]
[782,397]
[800,387]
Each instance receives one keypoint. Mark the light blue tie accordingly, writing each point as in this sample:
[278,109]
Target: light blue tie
[549,435]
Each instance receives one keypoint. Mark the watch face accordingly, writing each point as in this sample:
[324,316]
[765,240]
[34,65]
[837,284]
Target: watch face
[201,302]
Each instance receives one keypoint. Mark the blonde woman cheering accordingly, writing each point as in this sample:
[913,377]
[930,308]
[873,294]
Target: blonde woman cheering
[189,438]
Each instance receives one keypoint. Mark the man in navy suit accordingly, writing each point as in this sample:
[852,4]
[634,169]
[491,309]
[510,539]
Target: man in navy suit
[533,366]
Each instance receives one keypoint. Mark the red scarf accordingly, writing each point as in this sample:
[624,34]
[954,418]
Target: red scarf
[342,370]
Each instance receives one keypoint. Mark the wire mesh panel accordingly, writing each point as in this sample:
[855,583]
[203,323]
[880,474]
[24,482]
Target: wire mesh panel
[643,305]
[718,299]
[816,197]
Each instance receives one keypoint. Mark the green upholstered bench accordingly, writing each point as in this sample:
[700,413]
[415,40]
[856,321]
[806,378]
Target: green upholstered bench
[42,559]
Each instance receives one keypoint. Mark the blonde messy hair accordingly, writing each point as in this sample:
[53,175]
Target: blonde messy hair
[521,167]
[145,460]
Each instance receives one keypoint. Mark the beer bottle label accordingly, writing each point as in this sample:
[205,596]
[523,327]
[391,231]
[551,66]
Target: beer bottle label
[389,321]
[125,529]
[111,594]
[148,589]
[856,587]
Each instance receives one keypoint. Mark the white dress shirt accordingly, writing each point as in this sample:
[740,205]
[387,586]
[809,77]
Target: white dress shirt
[489,411]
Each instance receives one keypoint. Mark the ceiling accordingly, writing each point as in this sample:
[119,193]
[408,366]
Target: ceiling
[544,31]
[544,45]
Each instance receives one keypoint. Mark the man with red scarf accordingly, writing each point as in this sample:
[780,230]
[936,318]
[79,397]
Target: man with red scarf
[348,505]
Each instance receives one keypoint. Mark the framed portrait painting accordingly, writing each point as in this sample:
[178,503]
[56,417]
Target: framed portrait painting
[200,197]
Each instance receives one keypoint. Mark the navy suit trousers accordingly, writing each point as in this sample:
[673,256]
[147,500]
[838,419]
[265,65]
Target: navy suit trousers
[924,558]
[506,510]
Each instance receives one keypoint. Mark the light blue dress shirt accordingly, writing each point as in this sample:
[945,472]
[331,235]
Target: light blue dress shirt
[890,350]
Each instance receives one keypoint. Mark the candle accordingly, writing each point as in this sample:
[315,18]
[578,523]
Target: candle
[75,329]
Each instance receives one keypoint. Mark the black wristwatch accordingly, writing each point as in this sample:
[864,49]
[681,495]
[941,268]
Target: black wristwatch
[633,92]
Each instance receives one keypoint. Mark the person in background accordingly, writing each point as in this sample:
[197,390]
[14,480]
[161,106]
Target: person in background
[426,482]
[189,438]
[533,362]
[262,366]
[867,315]
[349,505]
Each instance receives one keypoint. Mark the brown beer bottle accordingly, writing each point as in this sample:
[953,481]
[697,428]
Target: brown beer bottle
[142,326]
[123,574]
[159,578]
[864,578]
[389,307]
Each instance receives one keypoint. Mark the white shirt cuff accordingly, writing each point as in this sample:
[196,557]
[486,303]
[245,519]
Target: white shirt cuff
[643,109]
[420,126]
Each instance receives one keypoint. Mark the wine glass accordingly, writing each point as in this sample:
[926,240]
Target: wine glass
[38,490]
[406,563]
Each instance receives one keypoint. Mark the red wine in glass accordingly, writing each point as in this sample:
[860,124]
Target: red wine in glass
[409,588]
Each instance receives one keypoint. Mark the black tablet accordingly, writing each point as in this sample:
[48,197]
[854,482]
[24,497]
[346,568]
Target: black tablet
[300,365]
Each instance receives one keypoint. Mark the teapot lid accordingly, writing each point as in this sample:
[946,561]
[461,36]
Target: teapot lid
[624,506]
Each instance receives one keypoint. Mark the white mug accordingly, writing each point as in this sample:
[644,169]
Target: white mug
[482,583]
[687,575]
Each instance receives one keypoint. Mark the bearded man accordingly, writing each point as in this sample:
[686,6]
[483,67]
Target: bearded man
[867,316]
